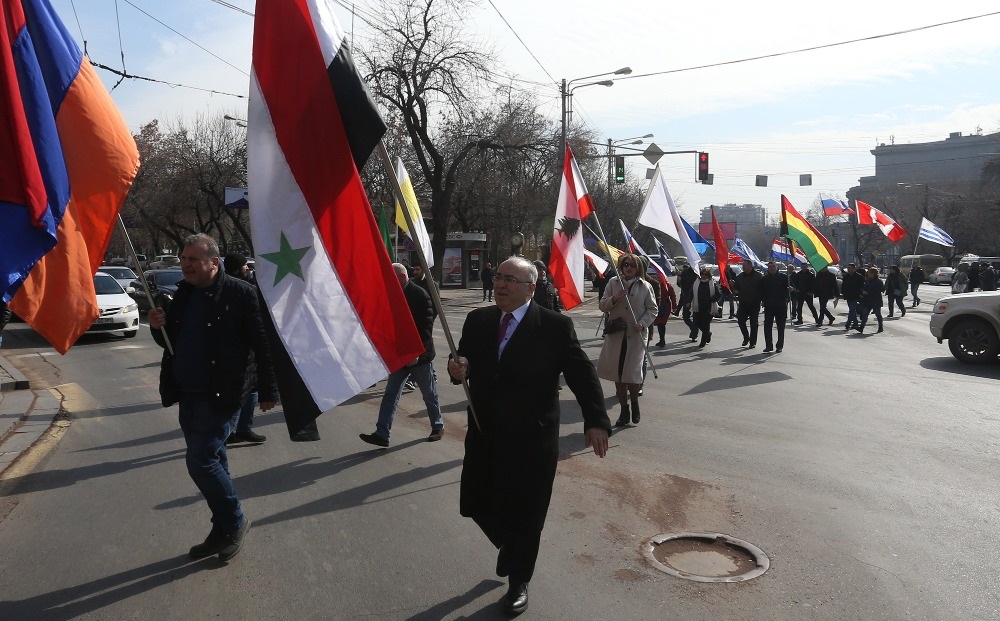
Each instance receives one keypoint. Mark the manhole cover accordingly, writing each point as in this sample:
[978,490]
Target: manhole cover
[706,557]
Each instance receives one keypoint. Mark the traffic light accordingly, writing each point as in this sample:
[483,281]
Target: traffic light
[619,169]
[702,166]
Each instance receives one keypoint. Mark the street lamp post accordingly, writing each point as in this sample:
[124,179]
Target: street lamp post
[566,93]
[239,122]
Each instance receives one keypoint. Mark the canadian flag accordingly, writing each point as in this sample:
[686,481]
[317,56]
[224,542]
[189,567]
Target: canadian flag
[869,215]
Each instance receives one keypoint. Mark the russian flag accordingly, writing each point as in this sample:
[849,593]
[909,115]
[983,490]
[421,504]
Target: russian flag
[68,161]
[834,206]
[336,304]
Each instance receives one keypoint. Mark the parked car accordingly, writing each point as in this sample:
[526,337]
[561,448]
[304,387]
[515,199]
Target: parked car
[971,324]
[141,267]
[119,312]
[164,261]
[162,286]
[123,275]
[941,276]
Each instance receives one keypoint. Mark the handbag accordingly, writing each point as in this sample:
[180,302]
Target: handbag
[614,325]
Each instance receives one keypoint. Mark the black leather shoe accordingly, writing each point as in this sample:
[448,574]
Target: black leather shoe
[372,438]
[234,541]
[746,342]
[635,411]
[516,600]
[212,545]
[306,435]
[436,434]
[246,436]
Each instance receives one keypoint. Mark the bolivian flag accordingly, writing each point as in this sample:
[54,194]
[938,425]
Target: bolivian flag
[817,248]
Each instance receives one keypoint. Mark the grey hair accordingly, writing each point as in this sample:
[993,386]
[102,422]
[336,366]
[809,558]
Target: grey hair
[202,239]
[526,264]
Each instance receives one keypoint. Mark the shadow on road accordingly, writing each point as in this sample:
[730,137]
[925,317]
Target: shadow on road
[54,479]
[948,364]
[440,611]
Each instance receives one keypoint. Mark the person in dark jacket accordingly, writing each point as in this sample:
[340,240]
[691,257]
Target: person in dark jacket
[212,325]
[487,277]
[793,291]
[421,279]
[421,368]
[685,282]
[774,296]
[806,280]
[825,289]
[871,299]
[747,287]
[917,278]
[545,295]
[850,289]
[988,277]
[728,295]
[973,277]
[895,289]
[236,266]
[512,355]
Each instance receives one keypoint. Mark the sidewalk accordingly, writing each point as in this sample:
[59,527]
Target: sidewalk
[25,414]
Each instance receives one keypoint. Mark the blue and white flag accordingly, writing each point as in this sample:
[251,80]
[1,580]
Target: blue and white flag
[662,256]
[701,244]
[934,233]
[740,247]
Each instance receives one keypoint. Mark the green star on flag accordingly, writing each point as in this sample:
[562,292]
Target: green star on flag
[287,260]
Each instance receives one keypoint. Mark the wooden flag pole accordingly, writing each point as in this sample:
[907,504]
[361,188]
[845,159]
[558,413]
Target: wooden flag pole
[390,171]
[614,266]
[142,279]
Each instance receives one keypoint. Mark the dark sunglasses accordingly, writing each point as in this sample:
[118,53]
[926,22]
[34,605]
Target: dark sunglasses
[626,264]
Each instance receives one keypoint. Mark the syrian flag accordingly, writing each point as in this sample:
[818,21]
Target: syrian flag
[420,231]
[566,262]
[869,215]
[934,233]
[321,266]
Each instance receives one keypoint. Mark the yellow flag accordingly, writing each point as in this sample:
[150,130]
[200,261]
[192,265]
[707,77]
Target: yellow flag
[420,235]
[611,251]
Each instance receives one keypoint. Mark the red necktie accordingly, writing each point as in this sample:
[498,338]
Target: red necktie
[503,328]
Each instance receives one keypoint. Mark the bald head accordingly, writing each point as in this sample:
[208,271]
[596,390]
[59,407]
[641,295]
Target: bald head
[400,270]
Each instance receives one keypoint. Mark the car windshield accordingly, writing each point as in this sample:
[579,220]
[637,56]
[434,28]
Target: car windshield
[167,278]
[119,272]
[104,285]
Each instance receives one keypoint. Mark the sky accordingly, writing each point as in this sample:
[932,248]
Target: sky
[819,112]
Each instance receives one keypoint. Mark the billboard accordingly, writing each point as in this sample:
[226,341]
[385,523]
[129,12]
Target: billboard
[728,230]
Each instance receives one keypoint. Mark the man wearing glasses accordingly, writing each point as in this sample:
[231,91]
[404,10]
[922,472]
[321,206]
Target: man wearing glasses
[512,355]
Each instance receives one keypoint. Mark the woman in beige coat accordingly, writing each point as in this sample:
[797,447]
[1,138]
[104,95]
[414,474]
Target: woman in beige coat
[623,350]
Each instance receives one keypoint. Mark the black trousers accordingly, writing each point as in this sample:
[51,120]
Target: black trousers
[703,319]
[749,312]
[774,316]
[807,299]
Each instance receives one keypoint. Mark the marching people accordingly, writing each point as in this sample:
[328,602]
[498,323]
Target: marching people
[825,288]
[685,282]
[213,324]
[774,289]
[747,285]
[987,277]
[793,291]
[237,267]
[623,350]
[665,306]
[871,299]
[704,304]
[512,355]
[960,280]
[804,281]
[850,289]
[421,368]
[487,276]
[917,278]
[895,289]
[727,292]
[545,294]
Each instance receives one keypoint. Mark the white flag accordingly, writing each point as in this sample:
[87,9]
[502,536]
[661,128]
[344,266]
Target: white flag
[934,233]
[660,213]
[418,221]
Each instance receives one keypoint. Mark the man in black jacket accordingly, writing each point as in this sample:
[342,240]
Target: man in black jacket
[850,289]
[774,296]
[213,324]
[747,286]
[421,369]
[512,355]
[805,282]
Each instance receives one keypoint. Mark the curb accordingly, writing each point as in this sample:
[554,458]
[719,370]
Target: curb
[24,416]
[11,378]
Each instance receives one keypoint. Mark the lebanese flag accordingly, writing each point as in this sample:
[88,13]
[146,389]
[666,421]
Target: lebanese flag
[322,268]
[721,251]
[566,260]
[869,215]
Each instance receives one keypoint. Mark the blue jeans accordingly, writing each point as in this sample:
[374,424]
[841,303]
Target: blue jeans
[426,379]
[206,427]
[852,312]
[913,291]
[245,423]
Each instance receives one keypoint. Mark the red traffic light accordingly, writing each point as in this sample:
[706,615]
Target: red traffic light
[702,166]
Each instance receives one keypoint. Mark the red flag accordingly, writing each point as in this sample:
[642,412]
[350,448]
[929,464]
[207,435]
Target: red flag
[721,251]
[869,215]
[566,261]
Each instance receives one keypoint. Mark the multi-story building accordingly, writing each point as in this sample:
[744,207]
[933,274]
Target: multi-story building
[745,217]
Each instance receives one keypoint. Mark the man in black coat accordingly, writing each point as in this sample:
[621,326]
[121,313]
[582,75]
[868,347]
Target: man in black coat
[850,289]
[774,296]
[213,324]
[421,369]
[806,281]
[512,355]
[487,277]
[747,286]
[685,282]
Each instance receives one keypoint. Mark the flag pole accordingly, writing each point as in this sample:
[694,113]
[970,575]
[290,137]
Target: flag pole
[390,171]
[142,279]
[645,337]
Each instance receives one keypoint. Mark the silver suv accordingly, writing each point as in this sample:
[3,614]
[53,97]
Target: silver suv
[971,323]
[165,262]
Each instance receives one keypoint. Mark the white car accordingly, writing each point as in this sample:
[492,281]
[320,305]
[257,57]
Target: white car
[119,312]
[941,276]
[971,323]
[123,275]
[165,262]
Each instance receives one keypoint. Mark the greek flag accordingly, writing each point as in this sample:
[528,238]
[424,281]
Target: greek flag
[934,233]
[740,247]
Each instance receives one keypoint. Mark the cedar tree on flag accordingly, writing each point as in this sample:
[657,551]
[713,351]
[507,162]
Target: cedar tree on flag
[721,251]
[869,215]
[326,277]
[566,262]
[817,248]
[67,161]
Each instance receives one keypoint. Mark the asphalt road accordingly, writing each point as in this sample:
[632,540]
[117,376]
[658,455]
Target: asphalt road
[865,467]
